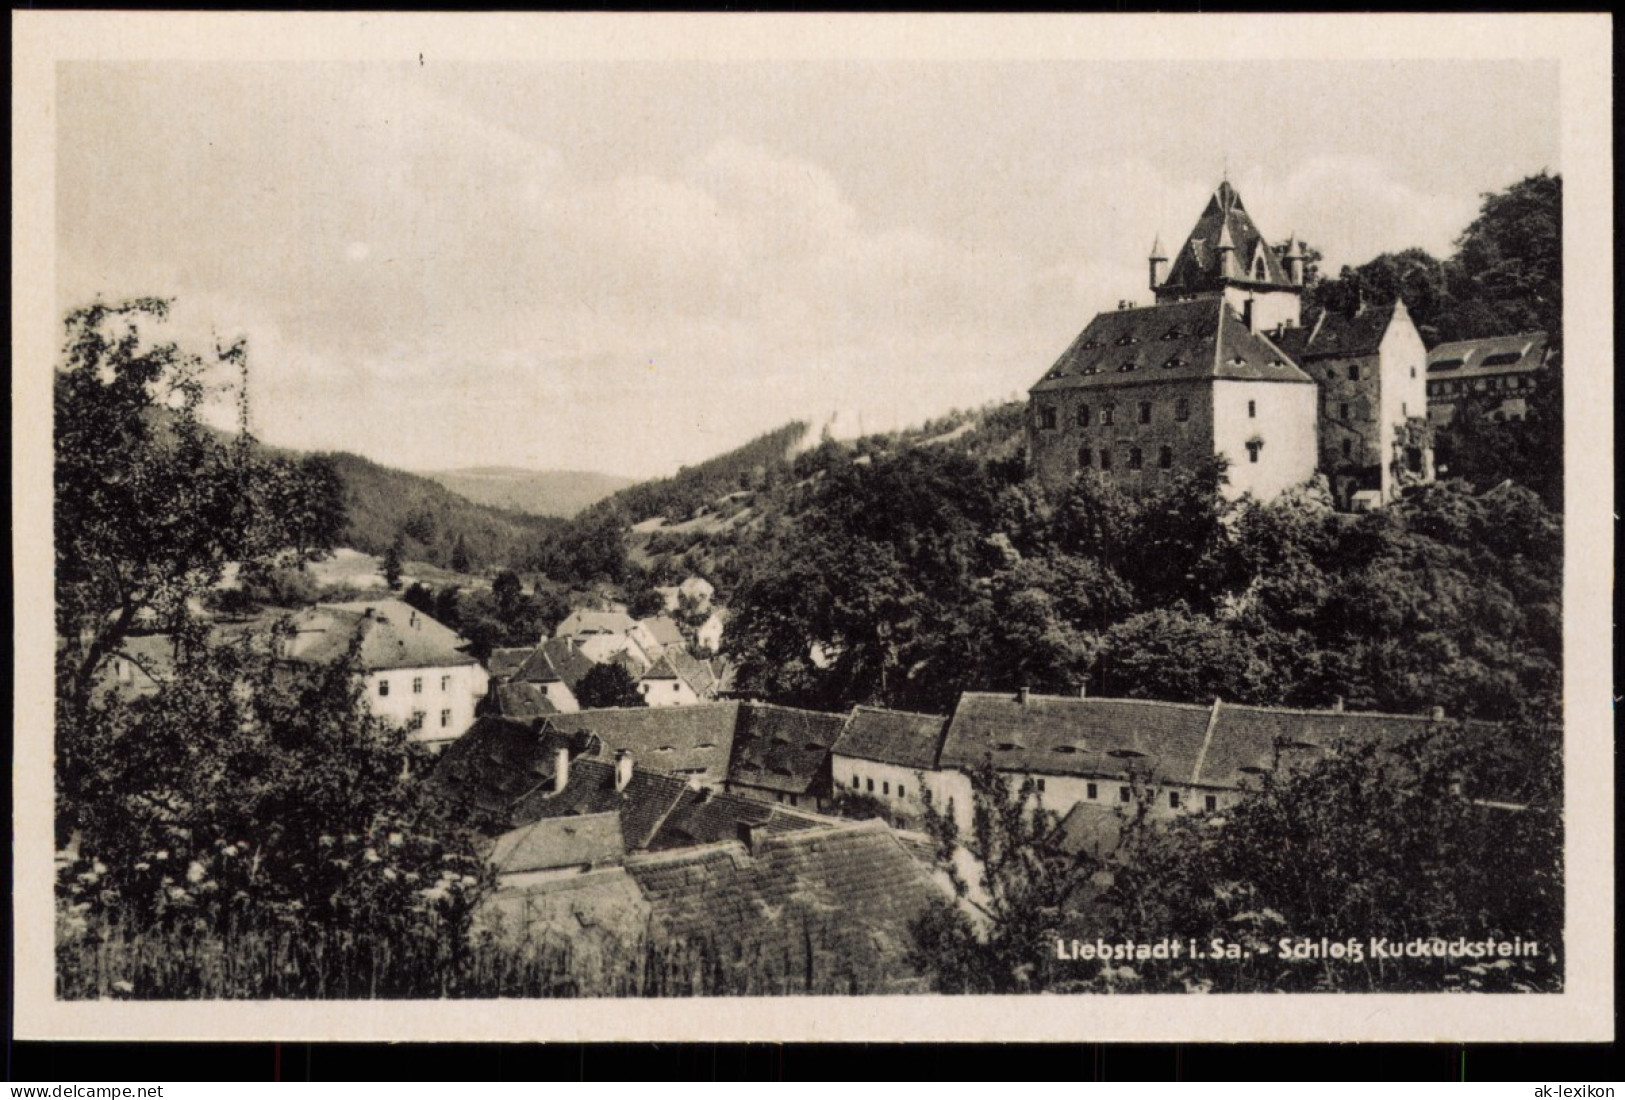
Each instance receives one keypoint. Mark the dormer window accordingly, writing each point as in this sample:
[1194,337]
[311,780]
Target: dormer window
[1084,416]
[1107,413]
[1125,340]
[1173,361]
[1128,366]
[1175,333]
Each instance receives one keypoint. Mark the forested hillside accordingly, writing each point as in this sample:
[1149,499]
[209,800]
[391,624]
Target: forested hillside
[560,493]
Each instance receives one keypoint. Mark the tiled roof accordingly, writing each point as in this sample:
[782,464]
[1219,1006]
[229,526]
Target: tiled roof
[555,660]
[1490,355]
[706,817]
[1336,332]
[505,662]
[664,630]
[587,840]
[783,749]
[892,737]
[522,700]
[643,804]
[497,762]
[1174,341]
[1090,828]
[1063,735]
[1245,739]
[594,622]
[1200,264]
[696,739]
[393,635]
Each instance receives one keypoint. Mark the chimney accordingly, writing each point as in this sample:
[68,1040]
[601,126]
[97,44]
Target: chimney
[561,770]
[1438,714]
[1337,704]
[747,835]
[623,769]
[1248,316]
[1022,695]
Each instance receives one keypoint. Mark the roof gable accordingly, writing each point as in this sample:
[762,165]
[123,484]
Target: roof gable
[892,737]
[781,748]
[1225,246]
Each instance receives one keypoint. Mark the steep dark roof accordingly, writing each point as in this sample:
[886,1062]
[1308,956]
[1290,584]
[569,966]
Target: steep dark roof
[892,737]
[557,660]
[1245,739]
[677,664]
[1201,266]
[782,749]
[1063,735]
[393,635]
[1489,355]
[505,662]
[708,817]
[692,740]
[642,805]
[522,700]
[1336,332]
[497,762]
[588,840]
[1175,341]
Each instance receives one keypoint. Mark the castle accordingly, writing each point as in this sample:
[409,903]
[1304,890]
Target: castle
[1224,363]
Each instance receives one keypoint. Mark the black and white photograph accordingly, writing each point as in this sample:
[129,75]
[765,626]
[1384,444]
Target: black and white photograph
[676,516]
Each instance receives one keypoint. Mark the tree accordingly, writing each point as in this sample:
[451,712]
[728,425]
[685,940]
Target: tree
[645,603]
[608,685]
[1511,257]
[509,593]
[150,503]
[392,563]
[460,560]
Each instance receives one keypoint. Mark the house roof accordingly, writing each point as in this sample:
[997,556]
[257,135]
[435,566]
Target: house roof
[696,739]
[781,748]
[643,804]
[1091,828]
[505,662]
[557,660]
[706,816]
[1202,265]
[500,760]
[579,623]
[587,840]
[393,635]
[1064,735]
[1246,739]
[664,630]
[1195,340]
[892,737]
[678,664]
[1337,332]
[522,700]
[1490,355]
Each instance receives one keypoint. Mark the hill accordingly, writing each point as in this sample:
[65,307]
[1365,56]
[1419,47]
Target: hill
[384,503]
[560,493]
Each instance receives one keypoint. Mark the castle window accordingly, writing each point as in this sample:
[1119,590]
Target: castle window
[445,719]
[1086,457]
[1108,413]
[1253,447]
[1105,459]
[1093,791]
[1210,802]
[1173,800]
[1182,409]
[901,791]
[1354,372]
[1083,416]
[1046,416]
[1145,412]
[1343,411]
[383,687]
[1252,410]
[417,685]
[1165,458]
[1413,372]
[885,789]
[1124,794]
[856,782]
[1348,448]
[871,786]
[1040,786]
[1135,458]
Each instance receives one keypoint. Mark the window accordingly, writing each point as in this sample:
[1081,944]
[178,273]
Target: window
[1413,372]
[1107,413]
[1343,411]
[1182,409]
[1086,457]
[1210,802]
[1128,366]
[792,800]
[1404,408]
[1173,800]
[1040,786]
[1433,389]
[1252,410]
[885,788]
[871,786]
[1046,416]
[676,687]
[900,791]
[1083,416]
[856,782]
[445,719]
[1105,459]
[1135,458]
[1145,412]
[1354,372]
[383,687]
[1124,794]
[1348,448]
[417,685]
[1165,458]
[1093,791]
[1253,447]
[417,721]
[445,683]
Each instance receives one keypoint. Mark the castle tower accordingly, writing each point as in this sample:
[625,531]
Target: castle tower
[1157,260]
[1227,256]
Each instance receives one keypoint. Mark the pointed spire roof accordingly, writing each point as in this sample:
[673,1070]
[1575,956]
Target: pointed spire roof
[1156,248]
[1294,247]
[1224,231]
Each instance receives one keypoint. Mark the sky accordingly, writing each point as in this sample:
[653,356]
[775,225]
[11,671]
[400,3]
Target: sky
[630,266]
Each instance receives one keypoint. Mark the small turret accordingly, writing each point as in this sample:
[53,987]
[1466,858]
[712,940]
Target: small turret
[1157,259]
[1293,260]
[1226,249]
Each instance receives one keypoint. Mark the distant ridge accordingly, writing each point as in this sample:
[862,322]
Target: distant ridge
[561,493]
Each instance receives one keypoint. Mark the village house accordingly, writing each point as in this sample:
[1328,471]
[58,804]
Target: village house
[418,673]
[677,680]
[1500,373]
[544,681]
[1208,371]
[783,754]
[891,755]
